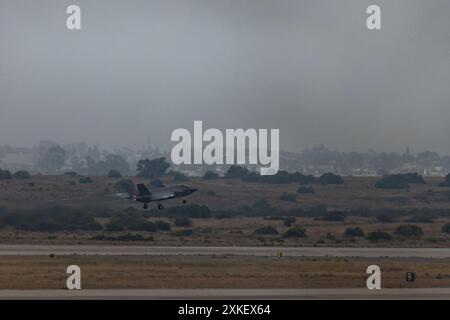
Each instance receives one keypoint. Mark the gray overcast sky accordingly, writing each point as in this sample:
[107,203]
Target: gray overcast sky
[139,69]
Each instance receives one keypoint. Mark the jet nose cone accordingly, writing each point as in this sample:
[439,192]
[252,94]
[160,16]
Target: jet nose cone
[193,190]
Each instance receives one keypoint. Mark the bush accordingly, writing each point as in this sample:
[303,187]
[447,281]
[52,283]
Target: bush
[72,174]
[5,175]
[267,230]
[281,177]
[288,221]
[446,228]
[115,226]
[143,225]
[211,175]
[152,168]
[114,174]
[191,211]
[334,216]
[130,220]
[305,190]
[211,193]
[399,181]
[236,172]
[379,236]
[130,237]
[178,176]
[354,232]
[409,231]
[285,196]
[22,175]
[86,180]
[295,232]
[124,237]
[184,233]
[124,185]
[157,184]
[385,218]
[330,178]
[182,222]
[162,226]
[446,182]
[421,218]
[50,218]
[251,177]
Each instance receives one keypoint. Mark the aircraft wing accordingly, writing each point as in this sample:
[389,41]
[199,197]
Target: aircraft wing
[162,195]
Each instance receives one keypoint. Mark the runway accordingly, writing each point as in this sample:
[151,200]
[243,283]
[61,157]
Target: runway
[231,294]
[96,250]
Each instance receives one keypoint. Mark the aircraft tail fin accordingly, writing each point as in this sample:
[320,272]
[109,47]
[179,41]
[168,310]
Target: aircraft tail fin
[143,190]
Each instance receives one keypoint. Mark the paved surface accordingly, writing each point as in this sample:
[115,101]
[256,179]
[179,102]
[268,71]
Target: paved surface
[29,250]
[224,294]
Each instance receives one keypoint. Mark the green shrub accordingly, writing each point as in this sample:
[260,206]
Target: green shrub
[286,196]
[354,232]
[211,193]
[183,233]
[251,177]
[182,222]
[114,174]
[446,182]
[178,176]
[5,175]
[379,236]
[385,218]
[21,175]
[130,237]
[446,228]
[288,221]
[266,230]
[330,178]
[191,211]
[409,231]
[236,172]
[305,190]
[211,175]
[85,180]
[50,218]
[162,225]
[295,232]
[421,218]
[333,216]
[124,185]
[399,181]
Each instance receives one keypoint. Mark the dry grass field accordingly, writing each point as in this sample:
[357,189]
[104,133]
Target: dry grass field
[357,194]
[216,272]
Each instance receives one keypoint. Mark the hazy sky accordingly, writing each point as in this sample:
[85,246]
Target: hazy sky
[140,69]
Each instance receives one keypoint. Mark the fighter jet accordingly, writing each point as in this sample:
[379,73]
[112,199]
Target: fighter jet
[157,195]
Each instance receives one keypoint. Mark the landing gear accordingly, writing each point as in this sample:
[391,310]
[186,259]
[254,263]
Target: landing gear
[184,201]
[145,206]
[160,206]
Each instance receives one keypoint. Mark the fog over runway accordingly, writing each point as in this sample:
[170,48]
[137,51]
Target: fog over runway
[39,250]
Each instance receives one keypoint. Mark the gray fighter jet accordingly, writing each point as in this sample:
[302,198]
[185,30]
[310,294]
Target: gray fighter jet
[157,195]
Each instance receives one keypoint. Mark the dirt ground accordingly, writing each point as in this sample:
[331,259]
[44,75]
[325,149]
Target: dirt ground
[216,272]
[356,194]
